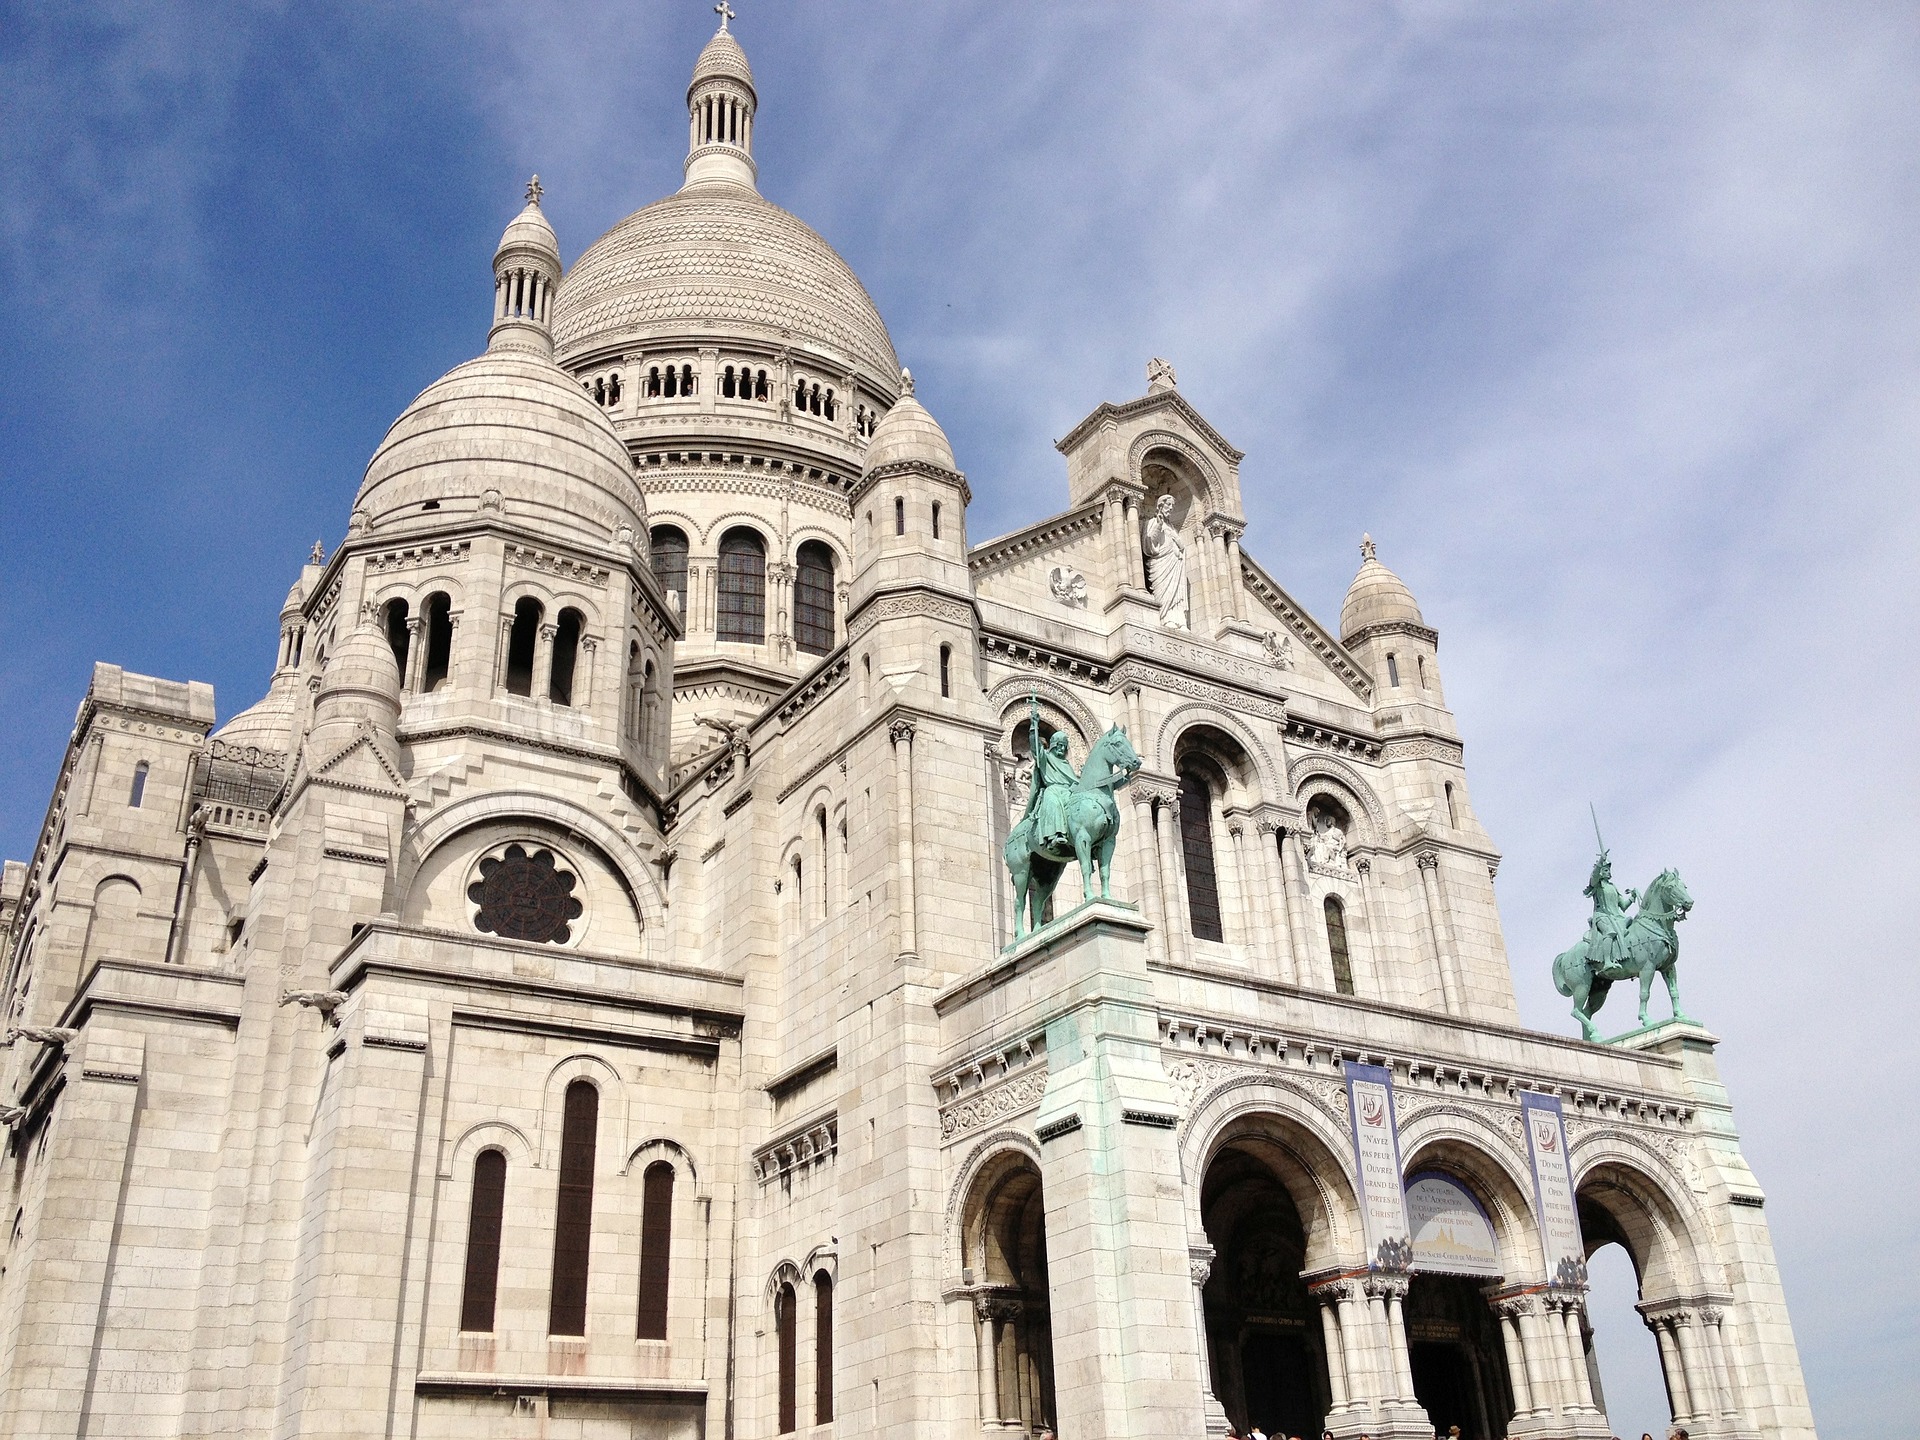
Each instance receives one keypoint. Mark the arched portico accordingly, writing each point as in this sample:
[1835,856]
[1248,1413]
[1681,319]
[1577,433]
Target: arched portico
[1003,1255]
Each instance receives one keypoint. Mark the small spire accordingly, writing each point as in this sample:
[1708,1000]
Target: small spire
[534,191]
[906,381]
[317,555]
[1366,548]
[725,12]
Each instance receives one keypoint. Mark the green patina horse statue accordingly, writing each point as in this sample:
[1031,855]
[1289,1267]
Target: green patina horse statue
[1092,824]
[1648,946]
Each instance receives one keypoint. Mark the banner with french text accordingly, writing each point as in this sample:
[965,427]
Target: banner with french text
[1376,1149]
[1546,1129]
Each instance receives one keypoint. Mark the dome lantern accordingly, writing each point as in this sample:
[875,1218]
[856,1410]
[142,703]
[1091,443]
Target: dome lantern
[720,108]
[526,267]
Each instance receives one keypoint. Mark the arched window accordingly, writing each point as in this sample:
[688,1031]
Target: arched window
[600,390]
[653,380]
[139,790]
[742,615]
[1420,664]
[936,519]
[397,637]
[1393,671]
[827,404]
[566,655]
[1337,946]
[946,672]
[760,391]
[1453,816]
[822,1347]
[800,394]
[899,515]
[484,1215]
[1196,846]
[783,1327]
[573,1214]
[686,380]
[669,546]
[656,1249]
[799,894]
[527,612]
[613,388]
[439,642]
[813,598]
[726,383]
[813,399]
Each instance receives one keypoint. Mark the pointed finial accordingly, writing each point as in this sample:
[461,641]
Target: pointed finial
[317,555]
[1366,547]
[906,381]
[725,12]
[535,190]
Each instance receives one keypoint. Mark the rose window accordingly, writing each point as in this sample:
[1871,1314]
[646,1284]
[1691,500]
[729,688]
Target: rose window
[525,897]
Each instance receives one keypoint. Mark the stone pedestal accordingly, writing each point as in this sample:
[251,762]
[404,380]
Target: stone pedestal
[1117,1244]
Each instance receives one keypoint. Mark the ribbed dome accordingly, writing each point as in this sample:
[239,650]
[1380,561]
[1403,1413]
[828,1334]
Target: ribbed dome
[909,432]
[1376,597]
[530,228]
[723,57]
[513,424]
[712,261]
[268,723]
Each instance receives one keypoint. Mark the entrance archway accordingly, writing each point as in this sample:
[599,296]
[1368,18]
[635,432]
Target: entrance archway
[1263,1329]
[1459,1365]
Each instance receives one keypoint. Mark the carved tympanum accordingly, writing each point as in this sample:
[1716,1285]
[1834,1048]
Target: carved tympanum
[525,896]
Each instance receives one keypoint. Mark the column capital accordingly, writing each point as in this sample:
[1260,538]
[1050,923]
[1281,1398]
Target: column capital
[548,632]
[1388,1284]
[1427,860]
[1200,1262]
[900,731]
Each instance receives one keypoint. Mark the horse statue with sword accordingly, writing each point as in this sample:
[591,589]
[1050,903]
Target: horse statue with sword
[1617,947]
[1070,815]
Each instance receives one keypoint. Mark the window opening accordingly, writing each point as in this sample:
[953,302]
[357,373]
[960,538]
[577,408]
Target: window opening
[397,636]
[1337,945]
[439,642]
[946,672]
[899,515]
[822,1348]
[1196,844]
[783,1318]
[742,610]
[669,546]
[566,655]
[656,1249]
[520,645]
[1453,816]
[813,618]
[936,519]
[139,790]
[1393,672]
[484,1215]
[573,1217]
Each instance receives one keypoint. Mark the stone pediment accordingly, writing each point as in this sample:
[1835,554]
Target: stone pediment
[1169,403]
[360,764]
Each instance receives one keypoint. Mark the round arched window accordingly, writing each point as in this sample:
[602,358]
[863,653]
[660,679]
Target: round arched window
[525,895]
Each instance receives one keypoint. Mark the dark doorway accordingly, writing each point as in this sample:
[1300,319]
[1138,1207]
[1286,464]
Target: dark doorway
[1459,1364]
[1264,1339]
[1277,1369]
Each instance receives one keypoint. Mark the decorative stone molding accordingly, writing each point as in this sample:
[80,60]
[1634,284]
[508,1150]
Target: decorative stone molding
[993,555]
[1027,654]
[1421,747]
[913,603]
[995,1102]
[563,566]
[900,731]
[798,1150]
[415,556]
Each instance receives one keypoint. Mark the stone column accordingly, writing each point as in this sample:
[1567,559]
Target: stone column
[1566,1310]
[1256,889]
[1533,1348]
[1147,855]
[1173,923]
[1199,1267]
[500,657]
[1699,1390]
[901,733]
[1508,1314]
[584,695]
[1236,604]
[1673,1365]
[989,1374]
[1336,1299]
[1235,926]
[1711,1322]
[1429,864]
[416,654]
[1285,949]
[543,661]
[1392,1290]
[1114,522]
[1136,558]
[1311,963]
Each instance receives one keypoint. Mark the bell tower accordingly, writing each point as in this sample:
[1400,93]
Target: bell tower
[720,106]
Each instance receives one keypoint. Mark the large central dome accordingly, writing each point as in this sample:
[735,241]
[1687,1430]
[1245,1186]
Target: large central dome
[719,260]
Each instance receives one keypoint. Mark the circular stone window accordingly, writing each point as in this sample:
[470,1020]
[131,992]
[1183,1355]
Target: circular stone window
[525,895]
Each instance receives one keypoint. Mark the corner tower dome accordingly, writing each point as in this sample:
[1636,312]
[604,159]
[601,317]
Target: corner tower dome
[909,433]
[1376,597]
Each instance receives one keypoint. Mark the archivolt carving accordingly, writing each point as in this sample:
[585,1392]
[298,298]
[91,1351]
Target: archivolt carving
[1305,769]
[1188,451]
[995,1102]
[1012,692]
[756,523]
[1185,717]
[1001,1142]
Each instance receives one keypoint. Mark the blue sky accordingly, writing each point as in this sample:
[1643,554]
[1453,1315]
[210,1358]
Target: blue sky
[1603,319]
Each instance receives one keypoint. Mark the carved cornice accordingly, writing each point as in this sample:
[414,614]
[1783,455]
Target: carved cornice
[1031,655]
[1146,674]
[563,566]
[414,556]
[1332,654]
[1326,737]
[1036,540]
[800,1149]
[901,605]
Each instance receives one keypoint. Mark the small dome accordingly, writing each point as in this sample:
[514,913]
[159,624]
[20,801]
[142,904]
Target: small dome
[296,597]
[1376,597]
[529,230]
[508,431]
[363,665]
[723,59]
[268,723]
[908,433]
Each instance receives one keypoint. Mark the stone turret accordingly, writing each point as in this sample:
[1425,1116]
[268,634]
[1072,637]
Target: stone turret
[720,107]
[1381,624]
[526,268]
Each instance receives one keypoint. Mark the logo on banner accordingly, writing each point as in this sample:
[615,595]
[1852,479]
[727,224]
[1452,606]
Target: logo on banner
[1546,1135]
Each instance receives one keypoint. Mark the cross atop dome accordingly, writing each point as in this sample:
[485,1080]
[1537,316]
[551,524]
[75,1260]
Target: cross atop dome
[725,12]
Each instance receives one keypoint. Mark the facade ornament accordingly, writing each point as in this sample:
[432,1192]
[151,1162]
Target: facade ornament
[358,521]
[1069,815]
[1200,1263]
[1160,374]
[1617,947]
[326,1002]
[317,555]
[1366,547]
[58,1036]
[1279,650]
[1167,567]
[1427,860]
[1069,587]
[724,11]
[899,731]
[906,382]
[1325,844]
[535,190]
[490,502]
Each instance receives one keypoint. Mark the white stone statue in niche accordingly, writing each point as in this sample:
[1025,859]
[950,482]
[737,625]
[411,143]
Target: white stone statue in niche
[1167,566]
[1069,587]
[1326,842]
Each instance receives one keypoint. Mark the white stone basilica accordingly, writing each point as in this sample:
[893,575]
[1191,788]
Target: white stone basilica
[582,997]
